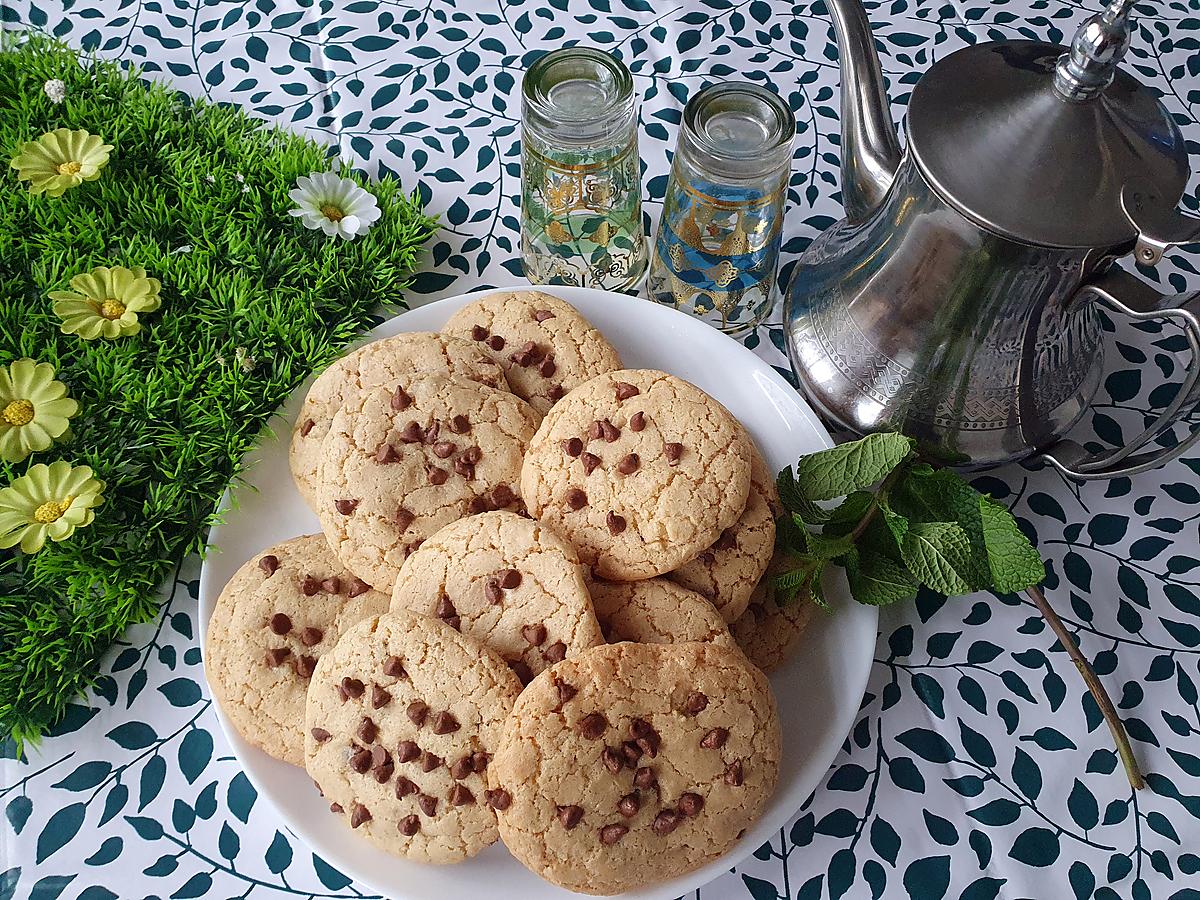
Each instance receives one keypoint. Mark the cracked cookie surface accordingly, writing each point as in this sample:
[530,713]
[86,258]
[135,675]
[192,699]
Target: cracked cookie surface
[376,364]
[640,470]
[633,763]
[402,720]
[279,613]
[727,572]
[545,345]
[656,611]
[768,632]
[403,461]
[507,581]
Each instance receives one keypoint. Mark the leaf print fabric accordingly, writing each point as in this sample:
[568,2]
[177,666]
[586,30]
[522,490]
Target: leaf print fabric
[978,767]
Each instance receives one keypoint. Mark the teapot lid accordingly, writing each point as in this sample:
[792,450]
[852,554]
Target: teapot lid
[995,132]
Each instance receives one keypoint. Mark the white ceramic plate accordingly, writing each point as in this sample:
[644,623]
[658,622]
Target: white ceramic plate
[818,691]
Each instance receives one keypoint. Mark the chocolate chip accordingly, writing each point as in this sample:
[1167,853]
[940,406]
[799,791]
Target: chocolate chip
[502,495]
[625,390]
[673,451]
[383,772]
[320,735]
[404,787]
[407,751]
[727,541]
[666,822]
[380,756]
[464,468]
[472,455]
[428,804]
[280,623]
[436,475]
[269,564]
[613,760]
[572,446]
[430,761]
[593,726]
[496,342]
[462,768]
[555,393]
[645,778]
[610,834]
[443,449]
[707,558]
[393,667]
[566,692]
[359,815]
[715,739]
[402,518]
[276,655]
[576,498]
[345,507]
[570,816]
[590,461]
[521,670]
[367,730]
[637,421]
[445,723]
[647,738]
[305,666]
[492,592]
[460,424]
[615,523]
[534,634]
[547,368]
[357,588]
[400,399]
[479,761]
[695,703]
[691,804]
[409,825]
[360,760]
[332,585]
[478,505]
[629,805]
[629,464]
[611,431]
[541,315]
[310,585]
[411,433]
[478,333]
[308,426]
[556,652]
[445,608]
[353,687]
[379,697]
[310,636]
[632,753]
[417,711]
[429,435]
[460,795]
[499,799]
[733,773]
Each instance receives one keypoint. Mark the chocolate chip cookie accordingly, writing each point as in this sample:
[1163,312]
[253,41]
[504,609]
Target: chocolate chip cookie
[403,461]
[767,631]
[633,763]
[545,346]
[276,617]
[640,470]
[507,581]
[727,572]
[402,720]
[378,363]
[656,611]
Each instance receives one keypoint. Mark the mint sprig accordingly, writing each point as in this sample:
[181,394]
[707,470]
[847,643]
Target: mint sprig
[901,524]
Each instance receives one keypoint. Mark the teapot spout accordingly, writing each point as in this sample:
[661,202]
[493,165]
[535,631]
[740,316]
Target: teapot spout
[870,146]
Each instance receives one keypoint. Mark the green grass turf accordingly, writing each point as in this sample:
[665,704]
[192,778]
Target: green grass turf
[167,414]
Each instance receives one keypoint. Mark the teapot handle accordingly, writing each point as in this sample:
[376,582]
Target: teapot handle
[1132,297]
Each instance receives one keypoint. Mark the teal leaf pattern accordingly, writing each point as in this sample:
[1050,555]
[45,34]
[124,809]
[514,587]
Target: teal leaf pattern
[972,716]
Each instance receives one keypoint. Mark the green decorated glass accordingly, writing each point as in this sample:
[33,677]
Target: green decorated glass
[581,211]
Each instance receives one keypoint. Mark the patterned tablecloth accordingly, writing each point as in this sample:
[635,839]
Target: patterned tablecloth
[978,767]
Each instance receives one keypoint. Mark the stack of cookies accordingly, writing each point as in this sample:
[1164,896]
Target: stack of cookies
[537,609]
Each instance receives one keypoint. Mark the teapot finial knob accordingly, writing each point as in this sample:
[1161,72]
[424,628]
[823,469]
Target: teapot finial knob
[1097,47]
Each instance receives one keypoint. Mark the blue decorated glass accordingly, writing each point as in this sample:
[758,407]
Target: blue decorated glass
[717,248]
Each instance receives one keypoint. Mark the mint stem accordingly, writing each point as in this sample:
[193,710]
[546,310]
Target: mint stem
[1136,781]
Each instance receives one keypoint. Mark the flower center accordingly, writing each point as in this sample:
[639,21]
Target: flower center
[70,167]
[18,412]
[52,510]
[112,309]
[332,213]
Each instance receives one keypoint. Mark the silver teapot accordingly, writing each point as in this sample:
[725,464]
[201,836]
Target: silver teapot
[958,300]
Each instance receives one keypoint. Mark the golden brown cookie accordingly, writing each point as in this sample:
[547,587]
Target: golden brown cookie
[767,632]
[656,611]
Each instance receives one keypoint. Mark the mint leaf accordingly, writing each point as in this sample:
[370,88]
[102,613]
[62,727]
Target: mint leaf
[938,553]
[826,546]
[790,534]
[1014,563]
[926,495]
[897,524]
[795,502]
[849,513]
[879,540]
[789,581]
[877,581]
[832,473]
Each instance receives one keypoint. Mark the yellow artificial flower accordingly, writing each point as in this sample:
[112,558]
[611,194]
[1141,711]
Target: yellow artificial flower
[60,160]
[49,501]
[34,409]
[105,302]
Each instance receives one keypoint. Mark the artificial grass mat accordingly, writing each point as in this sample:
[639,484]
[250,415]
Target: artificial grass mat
[251,303]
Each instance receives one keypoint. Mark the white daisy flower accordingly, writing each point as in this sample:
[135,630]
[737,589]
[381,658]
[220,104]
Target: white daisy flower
[182,248]
[56,90]
[245,361]
[333,204]
[239,177]
[210,178]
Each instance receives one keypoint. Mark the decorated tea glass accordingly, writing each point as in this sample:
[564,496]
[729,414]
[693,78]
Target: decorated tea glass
[718,241]
[581,213]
